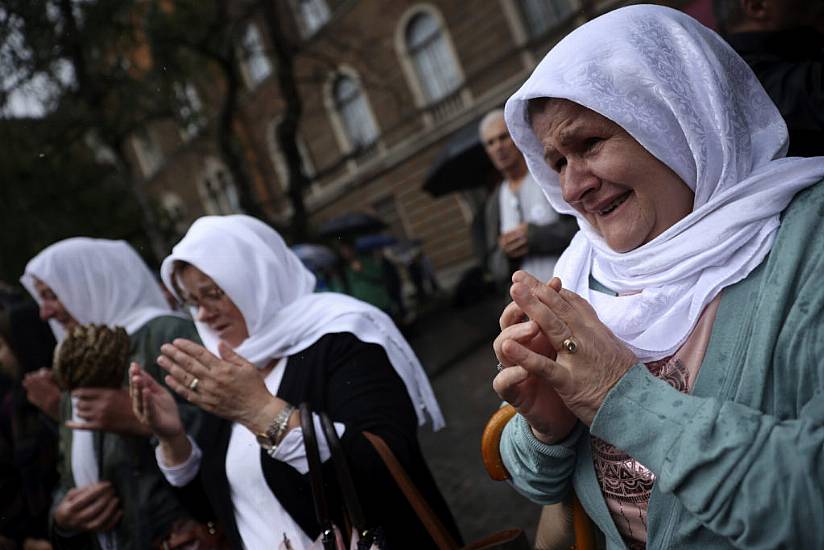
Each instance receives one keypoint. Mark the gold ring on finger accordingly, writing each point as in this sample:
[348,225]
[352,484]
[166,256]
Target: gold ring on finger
[193,384]
[570,345]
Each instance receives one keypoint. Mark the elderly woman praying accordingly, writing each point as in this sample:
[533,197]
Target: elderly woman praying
[676,380]
[269,344]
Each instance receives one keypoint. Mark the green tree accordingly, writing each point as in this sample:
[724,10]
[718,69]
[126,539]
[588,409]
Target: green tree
[110,68]
[53,190]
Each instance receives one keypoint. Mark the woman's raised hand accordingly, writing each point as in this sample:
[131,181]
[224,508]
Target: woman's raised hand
[532,395]
[228,386]
[583,377]
[153,405]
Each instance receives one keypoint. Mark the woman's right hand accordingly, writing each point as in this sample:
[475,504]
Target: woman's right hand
[532,396]
[154,405]
[90,508]
[43,392]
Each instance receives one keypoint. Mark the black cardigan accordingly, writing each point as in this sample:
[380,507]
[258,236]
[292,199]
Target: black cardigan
[356,385]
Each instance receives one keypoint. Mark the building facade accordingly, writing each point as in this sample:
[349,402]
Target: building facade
[385,85]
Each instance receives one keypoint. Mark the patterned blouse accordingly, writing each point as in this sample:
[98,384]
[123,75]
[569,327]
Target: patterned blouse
[625,482]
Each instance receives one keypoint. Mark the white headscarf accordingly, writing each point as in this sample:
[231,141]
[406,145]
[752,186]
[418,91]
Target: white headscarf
[274,292]
[688,99]
[98,281]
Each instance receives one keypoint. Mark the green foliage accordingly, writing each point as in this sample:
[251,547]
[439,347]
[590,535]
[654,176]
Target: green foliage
[53,189]
[114,67]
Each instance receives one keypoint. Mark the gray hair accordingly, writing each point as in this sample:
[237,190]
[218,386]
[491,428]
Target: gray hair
[488,119]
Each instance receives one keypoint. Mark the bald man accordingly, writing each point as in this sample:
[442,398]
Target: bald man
[523,231]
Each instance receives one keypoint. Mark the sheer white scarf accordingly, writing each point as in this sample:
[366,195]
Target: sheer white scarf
[687,98]
[98,281]
[274,292]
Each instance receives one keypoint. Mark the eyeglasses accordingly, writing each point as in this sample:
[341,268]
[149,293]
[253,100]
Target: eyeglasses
[210,298]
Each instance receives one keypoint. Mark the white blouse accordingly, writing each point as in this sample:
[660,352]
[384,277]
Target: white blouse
[528,205]
[85,469]
[261,519]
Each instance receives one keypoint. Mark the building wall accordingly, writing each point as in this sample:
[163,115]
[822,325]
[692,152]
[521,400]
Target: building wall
[495,54]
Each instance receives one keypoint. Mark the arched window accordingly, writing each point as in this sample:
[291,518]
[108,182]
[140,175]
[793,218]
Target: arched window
[172,216]
[542,15]
[255,64]
[355,116]
[217,189]
[148,151]
[312,15]
[434,63]
[190,115]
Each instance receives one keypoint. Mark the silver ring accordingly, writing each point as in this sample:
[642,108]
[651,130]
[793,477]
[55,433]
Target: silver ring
[499,366]
[193,384]
[570,345]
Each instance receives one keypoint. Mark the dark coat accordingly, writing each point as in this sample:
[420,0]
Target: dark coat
[790,66]
[356,385]
[543,240]
[28,438]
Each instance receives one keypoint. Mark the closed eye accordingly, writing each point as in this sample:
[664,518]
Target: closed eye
[559,164]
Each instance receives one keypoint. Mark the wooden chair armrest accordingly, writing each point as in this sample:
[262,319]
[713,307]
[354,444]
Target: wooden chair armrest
[491,455]
[491,442]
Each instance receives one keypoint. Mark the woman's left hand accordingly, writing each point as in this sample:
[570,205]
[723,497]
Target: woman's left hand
[107,410]
[582,378]
[228,386]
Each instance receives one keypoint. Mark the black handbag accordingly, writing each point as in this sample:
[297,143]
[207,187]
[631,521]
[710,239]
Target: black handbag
[510,539]
[367,537]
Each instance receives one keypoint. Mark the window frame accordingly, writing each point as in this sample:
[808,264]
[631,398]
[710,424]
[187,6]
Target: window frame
[229,201]
[252,54]
[307,29]
[410,70]
[339,127]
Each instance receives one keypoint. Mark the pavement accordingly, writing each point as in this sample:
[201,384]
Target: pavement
[455,347]
[442,334]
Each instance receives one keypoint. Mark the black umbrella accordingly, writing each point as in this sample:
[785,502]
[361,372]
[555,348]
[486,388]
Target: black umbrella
[462,164]
[350,224]
[315,256]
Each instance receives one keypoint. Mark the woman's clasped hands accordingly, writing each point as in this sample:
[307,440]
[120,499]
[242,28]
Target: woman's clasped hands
[228,386]
[560,361]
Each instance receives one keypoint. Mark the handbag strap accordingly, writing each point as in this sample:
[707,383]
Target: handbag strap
[310,443]
[344,475]
[436,529]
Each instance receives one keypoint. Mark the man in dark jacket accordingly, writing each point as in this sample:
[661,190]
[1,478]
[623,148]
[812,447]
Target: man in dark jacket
[782,41]
[523,231]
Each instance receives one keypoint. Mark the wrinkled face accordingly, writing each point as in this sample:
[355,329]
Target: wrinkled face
[625,193]
[51,307]
[210,305]
[8,361]
[499,146]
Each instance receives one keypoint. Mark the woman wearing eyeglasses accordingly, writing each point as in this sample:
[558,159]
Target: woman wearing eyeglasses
[122,502]
[270,343]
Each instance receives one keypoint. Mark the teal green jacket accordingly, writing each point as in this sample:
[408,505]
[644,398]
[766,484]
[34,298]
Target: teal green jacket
[148,503]
[739,463]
